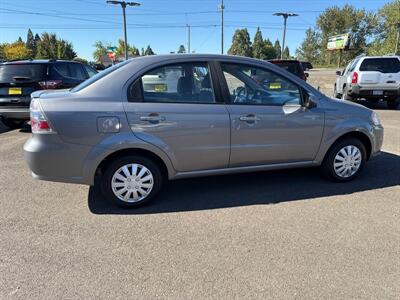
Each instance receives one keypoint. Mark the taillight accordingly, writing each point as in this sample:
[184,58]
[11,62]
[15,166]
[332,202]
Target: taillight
[39,122]
[50,84]
[354,78]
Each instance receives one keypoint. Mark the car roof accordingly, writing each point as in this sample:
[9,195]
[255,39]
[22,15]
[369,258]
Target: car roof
[37,61]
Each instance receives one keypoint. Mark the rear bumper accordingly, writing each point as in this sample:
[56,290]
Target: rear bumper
[368,92]
[15,113]
[51,159]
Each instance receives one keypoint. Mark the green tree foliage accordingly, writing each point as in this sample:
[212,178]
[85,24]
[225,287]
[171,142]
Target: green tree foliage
[181,49]
[309,49]
[100,49]
[347,19]
[386,31]
[241,44]
[278,49]
[53,48]
[2,54]
[258,45]
[30,43]
[17,50]
[132,50]
[81,60]
[286,53]
[149,51]
[269,50]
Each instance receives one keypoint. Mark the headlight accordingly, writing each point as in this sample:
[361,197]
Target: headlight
[375,119]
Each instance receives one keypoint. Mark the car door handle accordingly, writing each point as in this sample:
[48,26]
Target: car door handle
[153,119]
[249,118]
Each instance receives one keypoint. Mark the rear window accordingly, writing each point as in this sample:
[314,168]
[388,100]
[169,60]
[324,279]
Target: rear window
[383,65]
[27,72]
[290,66]
[98,76]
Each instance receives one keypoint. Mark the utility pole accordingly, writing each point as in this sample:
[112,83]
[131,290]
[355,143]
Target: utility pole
[188,26]
[222,7]
[285,17]
[124,5]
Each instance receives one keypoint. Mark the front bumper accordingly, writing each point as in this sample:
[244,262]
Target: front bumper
[377,133]
[20,113]
[51,159]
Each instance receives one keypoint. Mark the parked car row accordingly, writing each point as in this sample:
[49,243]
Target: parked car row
[18,79]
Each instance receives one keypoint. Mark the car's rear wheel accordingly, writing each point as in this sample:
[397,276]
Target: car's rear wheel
[345,95]
[131,181]
[345,160]
[12,123]
[336,94]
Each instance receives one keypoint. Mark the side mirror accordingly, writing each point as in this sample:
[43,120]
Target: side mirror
[307,75]
[338,73]
[308,101]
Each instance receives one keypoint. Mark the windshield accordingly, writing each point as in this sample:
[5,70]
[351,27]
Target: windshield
[98,76]
[18,72]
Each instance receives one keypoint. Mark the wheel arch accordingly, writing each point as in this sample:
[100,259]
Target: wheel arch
[359,135]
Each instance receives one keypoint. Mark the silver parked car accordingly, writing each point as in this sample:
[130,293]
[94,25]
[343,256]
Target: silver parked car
[222,115]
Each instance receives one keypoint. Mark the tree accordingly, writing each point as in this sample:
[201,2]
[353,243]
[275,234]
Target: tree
[278,49]
[30,43]
[121,49]
[81,60]
[241,44]
[53,48]
[347,19]
[142,52]
[269,50]
[2,54]
[137,52]
[258,45]
[100,50]
[386,31]
[17,50]
[149,51]
[286,53]
[181,49]
[20,40]
[309,49]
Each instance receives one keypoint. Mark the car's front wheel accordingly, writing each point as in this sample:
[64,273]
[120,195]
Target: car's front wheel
[131,181]
[345,160]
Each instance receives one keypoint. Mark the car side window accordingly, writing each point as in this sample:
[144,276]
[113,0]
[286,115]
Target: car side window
[60,69]
[177,83]
[76,71]
[255,86]
[91,72]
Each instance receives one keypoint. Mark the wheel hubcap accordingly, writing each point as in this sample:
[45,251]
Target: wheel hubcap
[132,183]
[347,161]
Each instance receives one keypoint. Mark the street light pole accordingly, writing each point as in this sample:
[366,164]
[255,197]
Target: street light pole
[285,17]
[222,7]
[124,5]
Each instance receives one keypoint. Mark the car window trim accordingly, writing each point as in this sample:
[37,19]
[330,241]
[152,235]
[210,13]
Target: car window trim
[224,84]
[210,70]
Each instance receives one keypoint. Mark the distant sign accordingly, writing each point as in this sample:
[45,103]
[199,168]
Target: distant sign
[339,42]
[111,49]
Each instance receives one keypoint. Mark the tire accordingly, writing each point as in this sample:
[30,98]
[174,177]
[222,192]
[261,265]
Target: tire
[392,104]
[109,181]
[336,94]
[345,95]
[12,123]
[334,155]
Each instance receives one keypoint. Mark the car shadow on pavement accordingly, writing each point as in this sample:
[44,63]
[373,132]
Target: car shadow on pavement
[258,188]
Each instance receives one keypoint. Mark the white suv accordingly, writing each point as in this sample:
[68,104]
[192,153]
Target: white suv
[370,77]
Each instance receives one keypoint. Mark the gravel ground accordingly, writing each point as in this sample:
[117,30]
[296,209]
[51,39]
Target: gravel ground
[287,234]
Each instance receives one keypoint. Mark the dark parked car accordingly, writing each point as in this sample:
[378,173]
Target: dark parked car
[306,65]
[293,66]
[18,79]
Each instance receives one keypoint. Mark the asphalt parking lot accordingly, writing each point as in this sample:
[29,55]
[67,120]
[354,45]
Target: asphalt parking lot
[270,235]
